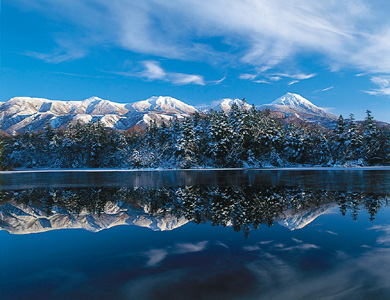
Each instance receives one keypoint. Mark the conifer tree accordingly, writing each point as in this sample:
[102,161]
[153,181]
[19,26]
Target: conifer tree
[222,142]
[370,144]
[353,139]
[2,156]
[339,141]
[187,145]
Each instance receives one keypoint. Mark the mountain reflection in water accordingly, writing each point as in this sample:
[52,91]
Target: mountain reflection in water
[303,234]
[244,208]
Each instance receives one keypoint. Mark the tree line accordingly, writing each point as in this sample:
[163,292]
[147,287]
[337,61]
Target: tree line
[240,138]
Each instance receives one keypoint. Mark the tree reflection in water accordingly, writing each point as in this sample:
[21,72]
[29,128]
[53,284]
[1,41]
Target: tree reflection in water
[242,207]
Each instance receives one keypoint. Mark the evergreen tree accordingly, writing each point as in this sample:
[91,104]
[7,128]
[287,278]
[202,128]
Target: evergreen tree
[339,141]
[187,145]
[294,145]
[2,156]
[370,141]
[222,141]
[353,140]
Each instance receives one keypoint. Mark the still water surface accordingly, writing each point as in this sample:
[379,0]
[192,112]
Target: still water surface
[233,234]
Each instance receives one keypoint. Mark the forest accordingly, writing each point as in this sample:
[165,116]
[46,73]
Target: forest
[241,138]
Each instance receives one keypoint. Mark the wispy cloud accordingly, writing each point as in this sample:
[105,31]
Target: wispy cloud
[153,71]
[274,77]
[262,81]
[155,256]
[251,248]
[331,232]
[58,55]
[301,247]
[384,239]
[215,82]
[248,76]
[182,79]
[297,76]
[383,83]
[264,34]
[79,75]
[181,248]
[326,89]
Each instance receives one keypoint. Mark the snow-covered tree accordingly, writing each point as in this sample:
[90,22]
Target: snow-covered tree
[187,145]
[339,141]
[353,140]
[370,142]
[222,140]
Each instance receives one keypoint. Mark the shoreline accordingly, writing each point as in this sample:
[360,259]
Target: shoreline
[336,168]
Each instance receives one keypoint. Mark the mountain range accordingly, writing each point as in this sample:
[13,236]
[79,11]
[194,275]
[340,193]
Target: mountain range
[19,218]
[20,114]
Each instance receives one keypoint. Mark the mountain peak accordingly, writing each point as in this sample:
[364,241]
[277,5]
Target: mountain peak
[297,103]
[227,103]
[163,103]
[291,99]
[92,99]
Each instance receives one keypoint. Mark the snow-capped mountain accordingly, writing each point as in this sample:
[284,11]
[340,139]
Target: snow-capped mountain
[299,219]
[18,218]
[162,104]
[25,113]
[293,107]
[227,103]
[297,103]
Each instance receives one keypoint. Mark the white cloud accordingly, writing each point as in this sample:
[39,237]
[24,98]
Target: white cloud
[154,71]
[324,89]
[251,248]
[327,89]
[263,34]
[331,232]
[277,77]
[385,238]
[248,76]
[301,247]
[298,76]
[383,83]
[181,248]
[262,81]
[181,79]
[215,82]
[155,256]
[66,51]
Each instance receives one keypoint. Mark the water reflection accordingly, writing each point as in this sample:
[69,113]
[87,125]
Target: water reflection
[244,208]
[352,180]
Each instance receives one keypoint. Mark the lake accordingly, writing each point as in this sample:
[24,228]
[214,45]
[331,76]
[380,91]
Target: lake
[195,234]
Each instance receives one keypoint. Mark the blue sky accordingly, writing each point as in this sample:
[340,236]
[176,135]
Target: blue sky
[334,53]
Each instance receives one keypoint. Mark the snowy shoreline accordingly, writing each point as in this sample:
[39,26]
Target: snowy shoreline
[338,168]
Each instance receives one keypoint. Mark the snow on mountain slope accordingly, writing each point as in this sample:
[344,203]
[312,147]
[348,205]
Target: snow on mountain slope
[226,104]
[299,219]
[163,104]
[17,218]
[294,103]
[25,113]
